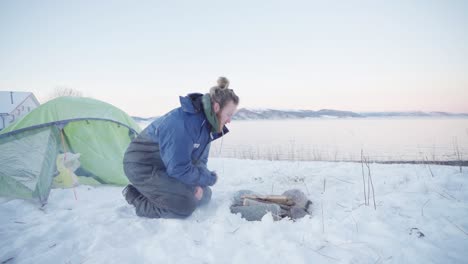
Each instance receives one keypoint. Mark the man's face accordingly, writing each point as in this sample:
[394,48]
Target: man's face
[224,115]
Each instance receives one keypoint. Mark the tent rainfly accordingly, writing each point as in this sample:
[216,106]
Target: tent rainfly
[30,147]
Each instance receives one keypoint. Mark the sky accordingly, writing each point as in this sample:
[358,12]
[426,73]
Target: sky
[141,55]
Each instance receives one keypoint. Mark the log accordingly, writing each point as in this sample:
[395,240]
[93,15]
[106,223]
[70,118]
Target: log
[278,199]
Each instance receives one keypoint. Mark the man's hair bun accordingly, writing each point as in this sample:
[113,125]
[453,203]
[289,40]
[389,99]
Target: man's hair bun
[223,82]
[222,94]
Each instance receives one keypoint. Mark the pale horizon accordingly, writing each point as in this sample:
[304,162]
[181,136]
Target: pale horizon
[363,56]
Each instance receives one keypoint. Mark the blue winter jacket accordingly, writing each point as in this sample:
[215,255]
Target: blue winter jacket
[180,143]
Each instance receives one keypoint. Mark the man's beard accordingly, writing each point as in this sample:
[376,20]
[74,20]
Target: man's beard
[220,126]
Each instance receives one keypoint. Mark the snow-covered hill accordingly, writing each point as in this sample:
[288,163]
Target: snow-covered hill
[275,114]
[249,114]
[420,218]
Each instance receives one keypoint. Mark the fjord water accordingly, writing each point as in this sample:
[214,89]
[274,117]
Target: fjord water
[381,139]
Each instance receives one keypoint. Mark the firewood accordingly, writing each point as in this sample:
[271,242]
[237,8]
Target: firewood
[278,199]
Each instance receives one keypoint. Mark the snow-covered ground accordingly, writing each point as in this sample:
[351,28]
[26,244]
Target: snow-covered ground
[100,227]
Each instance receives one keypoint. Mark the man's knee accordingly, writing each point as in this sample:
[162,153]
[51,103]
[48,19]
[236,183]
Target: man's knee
[146,208]
[167,207]
[181,205]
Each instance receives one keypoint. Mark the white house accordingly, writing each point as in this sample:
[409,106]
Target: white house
[14,105]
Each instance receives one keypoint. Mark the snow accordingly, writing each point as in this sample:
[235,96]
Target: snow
[144,124]
[100,227]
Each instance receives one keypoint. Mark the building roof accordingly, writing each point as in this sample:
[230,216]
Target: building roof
[6,106]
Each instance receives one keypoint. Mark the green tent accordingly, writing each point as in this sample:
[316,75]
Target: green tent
[29,148]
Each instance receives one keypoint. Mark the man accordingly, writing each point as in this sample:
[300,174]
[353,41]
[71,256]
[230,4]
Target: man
[166,163]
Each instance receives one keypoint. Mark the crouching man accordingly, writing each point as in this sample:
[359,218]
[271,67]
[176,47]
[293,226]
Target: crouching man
[166,163]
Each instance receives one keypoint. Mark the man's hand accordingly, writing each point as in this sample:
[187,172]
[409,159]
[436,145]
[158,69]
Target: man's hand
[215,175]
[198,193]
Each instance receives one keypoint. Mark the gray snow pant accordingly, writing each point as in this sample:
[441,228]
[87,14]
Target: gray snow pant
[162,196]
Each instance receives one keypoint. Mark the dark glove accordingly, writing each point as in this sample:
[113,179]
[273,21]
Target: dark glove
[214,178]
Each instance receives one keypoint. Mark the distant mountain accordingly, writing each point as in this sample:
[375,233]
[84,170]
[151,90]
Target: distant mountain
[274,114]
[449,114]
[247,114]
[413,114]
[395,114]
[143,119]
[255,114]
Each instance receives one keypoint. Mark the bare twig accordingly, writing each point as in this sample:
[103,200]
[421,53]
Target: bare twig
[357,231]
[235,230]
[323,223]
[448,198]
[321,254]
[368,182]
[342,180]
[457,226]
[422,208]
[371,183]
[324,183]
[429,167]
[12,258]
[352,209]
[64,91]
[378,260]
[363,180]
[458,153]
[342,206]
[451,196]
